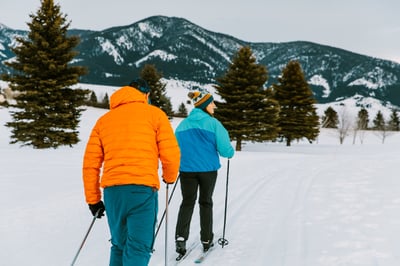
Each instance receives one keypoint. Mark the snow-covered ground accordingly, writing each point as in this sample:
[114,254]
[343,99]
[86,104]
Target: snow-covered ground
[320,204]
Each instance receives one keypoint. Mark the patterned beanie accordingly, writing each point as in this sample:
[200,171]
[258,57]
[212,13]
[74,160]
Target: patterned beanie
[201,98]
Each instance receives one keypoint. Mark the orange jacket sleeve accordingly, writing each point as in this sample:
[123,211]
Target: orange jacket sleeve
[169,151]
[92,163]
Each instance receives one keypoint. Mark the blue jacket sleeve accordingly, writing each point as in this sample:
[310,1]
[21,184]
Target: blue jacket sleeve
[224,146]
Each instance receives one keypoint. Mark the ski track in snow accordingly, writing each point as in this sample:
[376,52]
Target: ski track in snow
[355,234]
[306,205]
[309,213]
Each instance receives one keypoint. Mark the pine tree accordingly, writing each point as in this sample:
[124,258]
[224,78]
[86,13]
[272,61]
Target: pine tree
[380,126]
[48,112]
[394,122]
[182,110]
[93,99]
[297,118]
[330,119]
[105,103]
[361,125]
[157,95]
[379,121]
[246,111]
[167,107]
[362,119]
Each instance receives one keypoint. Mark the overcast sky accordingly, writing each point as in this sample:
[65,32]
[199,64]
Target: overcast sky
[369,27]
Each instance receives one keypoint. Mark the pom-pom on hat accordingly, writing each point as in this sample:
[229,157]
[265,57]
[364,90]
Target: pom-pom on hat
[201,98]
[140,84]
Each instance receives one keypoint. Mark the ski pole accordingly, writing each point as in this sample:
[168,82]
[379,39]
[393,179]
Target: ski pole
[84,239]
[166,225]
[223,241]
[162,218]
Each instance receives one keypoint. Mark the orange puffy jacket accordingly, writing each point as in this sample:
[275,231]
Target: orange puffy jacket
[126,143]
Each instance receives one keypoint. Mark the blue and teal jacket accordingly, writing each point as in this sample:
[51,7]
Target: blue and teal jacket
[202,138]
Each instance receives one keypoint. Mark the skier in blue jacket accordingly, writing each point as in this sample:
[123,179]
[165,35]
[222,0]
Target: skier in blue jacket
[202,139]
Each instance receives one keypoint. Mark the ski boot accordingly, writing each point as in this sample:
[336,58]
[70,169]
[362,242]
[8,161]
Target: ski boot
[180,245]
[207,245]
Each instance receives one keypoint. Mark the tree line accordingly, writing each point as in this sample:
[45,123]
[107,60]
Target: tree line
[47,111]
[345,124]
[250,112]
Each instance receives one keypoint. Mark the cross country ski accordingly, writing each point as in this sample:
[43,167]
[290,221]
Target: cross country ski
[204,255]
[181,257]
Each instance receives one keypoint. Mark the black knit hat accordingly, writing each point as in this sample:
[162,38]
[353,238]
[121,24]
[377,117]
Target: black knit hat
[140,84]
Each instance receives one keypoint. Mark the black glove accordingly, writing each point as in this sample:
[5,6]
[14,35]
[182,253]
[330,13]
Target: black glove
[168,183]
[98,209]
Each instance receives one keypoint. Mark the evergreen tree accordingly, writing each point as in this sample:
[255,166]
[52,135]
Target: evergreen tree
[362,119]
[394,122]
[168,107]
[93,99]
[330,119]
[380,126]
[182,110]
[379,121]
[105,103]
[298,117]
[157,95]
[246,110]
[47,110]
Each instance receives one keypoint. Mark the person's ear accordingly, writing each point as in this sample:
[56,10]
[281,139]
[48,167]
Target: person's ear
[148,97]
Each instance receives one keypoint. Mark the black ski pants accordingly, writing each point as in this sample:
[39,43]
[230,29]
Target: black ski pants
[191,182]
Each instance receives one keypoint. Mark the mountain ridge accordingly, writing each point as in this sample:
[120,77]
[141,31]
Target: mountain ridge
[184,51]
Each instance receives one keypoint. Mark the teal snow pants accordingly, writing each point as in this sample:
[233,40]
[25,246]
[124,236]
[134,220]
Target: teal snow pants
[131,212]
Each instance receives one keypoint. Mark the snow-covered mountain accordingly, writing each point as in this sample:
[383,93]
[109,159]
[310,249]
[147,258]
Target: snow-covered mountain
[184,51]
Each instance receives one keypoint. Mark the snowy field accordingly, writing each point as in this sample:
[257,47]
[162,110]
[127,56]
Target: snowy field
[320,204]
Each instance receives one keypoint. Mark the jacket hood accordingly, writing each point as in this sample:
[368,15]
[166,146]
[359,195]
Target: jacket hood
[125,95]
[198,114]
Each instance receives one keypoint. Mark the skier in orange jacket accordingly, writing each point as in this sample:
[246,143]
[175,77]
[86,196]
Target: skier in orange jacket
[122,157]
